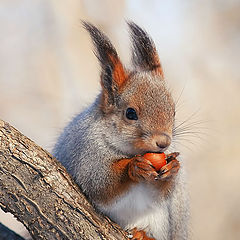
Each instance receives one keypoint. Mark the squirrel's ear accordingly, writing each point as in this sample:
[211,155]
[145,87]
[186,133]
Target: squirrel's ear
[144,53]
[113,74]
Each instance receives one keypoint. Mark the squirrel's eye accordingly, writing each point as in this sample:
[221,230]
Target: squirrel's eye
[131,114]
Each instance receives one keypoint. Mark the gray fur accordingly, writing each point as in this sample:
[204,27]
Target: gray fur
[93,140]
[82,149]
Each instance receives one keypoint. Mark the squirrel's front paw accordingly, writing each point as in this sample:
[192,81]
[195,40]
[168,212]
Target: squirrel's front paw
[169,170]
[139,235]
[141,169]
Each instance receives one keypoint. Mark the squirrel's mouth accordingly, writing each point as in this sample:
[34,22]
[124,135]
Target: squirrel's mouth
[151,145]
[149,151]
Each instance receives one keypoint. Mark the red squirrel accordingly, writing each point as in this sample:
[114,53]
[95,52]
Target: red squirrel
[103,146]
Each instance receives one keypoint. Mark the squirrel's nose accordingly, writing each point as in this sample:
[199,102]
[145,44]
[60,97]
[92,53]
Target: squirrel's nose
[163,140]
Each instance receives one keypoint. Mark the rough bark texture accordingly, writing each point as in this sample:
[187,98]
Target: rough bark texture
[36,189]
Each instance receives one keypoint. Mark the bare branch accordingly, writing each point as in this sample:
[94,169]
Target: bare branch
[38,191]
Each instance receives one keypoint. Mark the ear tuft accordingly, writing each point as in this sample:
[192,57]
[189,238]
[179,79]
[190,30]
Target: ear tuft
[103,46]
[144,53]
[113,74]
[106,54]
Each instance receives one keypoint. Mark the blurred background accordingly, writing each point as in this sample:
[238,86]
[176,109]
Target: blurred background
[48,73]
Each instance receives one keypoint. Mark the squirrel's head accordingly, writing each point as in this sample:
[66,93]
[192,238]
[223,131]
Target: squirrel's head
[137,108]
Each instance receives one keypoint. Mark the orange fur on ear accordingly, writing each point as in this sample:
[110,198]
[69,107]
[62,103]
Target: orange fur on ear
[119,73]
[113,79]
[113,74]
[157,68]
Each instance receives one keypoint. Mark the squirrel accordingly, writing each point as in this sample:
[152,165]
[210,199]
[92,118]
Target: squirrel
[103,146]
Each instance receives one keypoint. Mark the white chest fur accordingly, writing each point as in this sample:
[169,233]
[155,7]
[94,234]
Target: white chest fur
[141,207]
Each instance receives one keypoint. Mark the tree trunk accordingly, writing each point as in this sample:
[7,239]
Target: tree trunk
[38,191]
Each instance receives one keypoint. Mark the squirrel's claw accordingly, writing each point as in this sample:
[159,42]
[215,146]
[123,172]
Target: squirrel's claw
[138,235]
[169,170]
[141,169]
[171,156]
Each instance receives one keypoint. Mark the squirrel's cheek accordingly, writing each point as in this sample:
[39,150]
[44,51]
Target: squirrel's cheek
[143,146]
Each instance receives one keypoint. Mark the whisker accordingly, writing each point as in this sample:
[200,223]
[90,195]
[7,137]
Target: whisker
[187,119]
[187,132]
[183,144]
[187,137]
[180,95]
[187,128]
[193,123]
[179,106]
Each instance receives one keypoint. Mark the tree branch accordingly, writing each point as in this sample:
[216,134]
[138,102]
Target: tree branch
[38,191]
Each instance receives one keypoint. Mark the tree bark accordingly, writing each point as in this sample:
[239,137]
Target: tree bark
[38,191]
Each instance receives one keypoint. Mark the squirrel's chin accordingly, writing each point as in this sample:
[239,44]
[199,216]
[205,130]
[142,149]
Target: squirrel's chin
[130,150]
[150,150]
[140,152]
